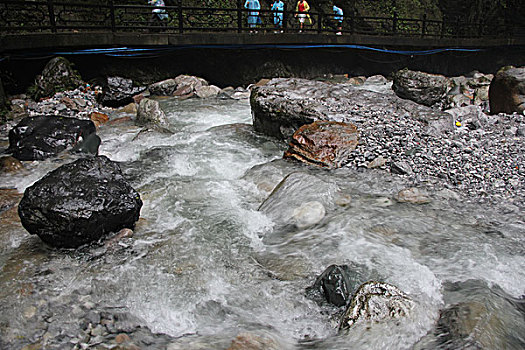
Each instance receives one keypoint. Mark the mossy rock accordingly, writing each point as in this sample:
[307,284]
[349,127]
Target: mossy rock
[58,75]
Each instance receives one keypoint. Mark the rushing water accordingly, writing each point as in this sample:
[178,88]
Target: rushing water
[205,265]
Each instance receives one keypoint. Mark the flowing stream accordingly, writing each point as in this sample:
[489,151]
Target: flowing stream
[205,265]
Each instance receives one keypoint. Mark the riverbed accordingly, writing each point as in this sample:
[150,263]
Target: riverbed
[206,268]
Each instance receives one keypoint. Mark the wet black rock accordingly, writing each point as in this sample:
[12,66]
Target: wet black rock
[334,284]
[58,75]
[423,88]
[119,92]
[41,137]
[80,202]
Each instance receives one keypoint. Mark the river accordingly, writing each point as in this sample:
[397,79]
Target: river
[205,266]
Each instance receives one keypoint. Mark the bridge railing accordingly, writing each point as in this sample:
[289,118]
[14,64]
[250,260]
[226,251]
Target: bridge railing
[25,16]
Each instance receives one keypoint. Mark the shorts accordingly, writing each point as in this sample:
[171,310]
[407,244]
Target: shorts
[301,17]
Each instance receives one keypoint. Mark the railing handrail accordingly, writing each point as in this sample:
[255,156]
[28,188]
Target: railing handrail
[186,18]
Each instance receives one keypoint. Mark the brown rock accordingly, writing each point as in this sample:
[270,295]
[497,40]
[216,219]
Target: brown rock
[323,143]
[69,103]
[129,108]
[412,195]
[10,164]
[249,341]
[507,91]
[122,338]
[98,118]
[183,90]
[138,98]
[262,82]
[119,121]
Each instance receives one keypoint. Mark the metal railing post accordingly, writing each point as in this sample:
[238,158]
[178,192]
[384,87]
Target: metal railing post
[394,23]
[352,17]
[52,20]
[285,17]
[112,15]
[239,17]
[424,25]
[181,23]
[319,22]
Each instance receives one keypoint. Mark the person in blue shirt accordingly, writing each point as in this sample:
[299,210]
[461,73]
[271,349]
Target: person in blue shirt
[278,8]
[338,18]
[253,16]
[159,13]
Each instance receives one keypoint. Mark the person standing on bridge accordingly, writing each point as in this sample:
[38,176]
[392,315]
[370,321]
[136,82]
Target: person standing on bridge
[278,10]
[253,16]
[158,14]
[302,8]
[338,18]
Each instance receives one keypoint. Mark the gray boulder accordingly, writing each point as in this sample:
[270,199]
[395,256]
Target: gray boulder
[163,88]
[281,106]
[420,87]
[58,75]
[79,203]
[507,91]
[149,113]
[377,302]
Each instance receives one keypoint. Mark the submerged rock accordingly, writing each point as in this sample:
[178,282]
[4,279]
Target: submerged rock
[79,202]
[377,302]
[300,200]
[412,195]
[323,143]
[507,91]
[423,88]
[38,138]
[10,164]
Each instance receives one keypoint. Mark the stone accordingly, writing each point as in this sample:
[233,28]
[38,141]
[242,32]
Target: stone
[57,75]
[150,113]
[308,214]
[79,203]
[401,168]
[9,165]
[183,90]
[192,81]
[288,201]
[207,91]
[41,137]
[507,91]
[98,118]
[88,144]
[323,143]
[119,92]
[334,285]
[283,105]
[163,88]
[378,162]
[376,302]
[250,341]
[420,87]
[129,108]
[412,195]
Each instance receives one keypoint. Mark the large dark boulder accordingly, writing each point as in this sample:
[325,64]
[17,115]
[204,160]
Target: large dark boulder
[281,106]
[58,75]
[507,91]
[119,92]
[323,143]
[423,88]
[79,202]
[335,285]
[41,137]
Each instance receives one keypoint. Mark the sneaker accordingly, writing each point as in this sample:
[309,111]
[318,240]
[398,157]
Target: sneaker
[338,33]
